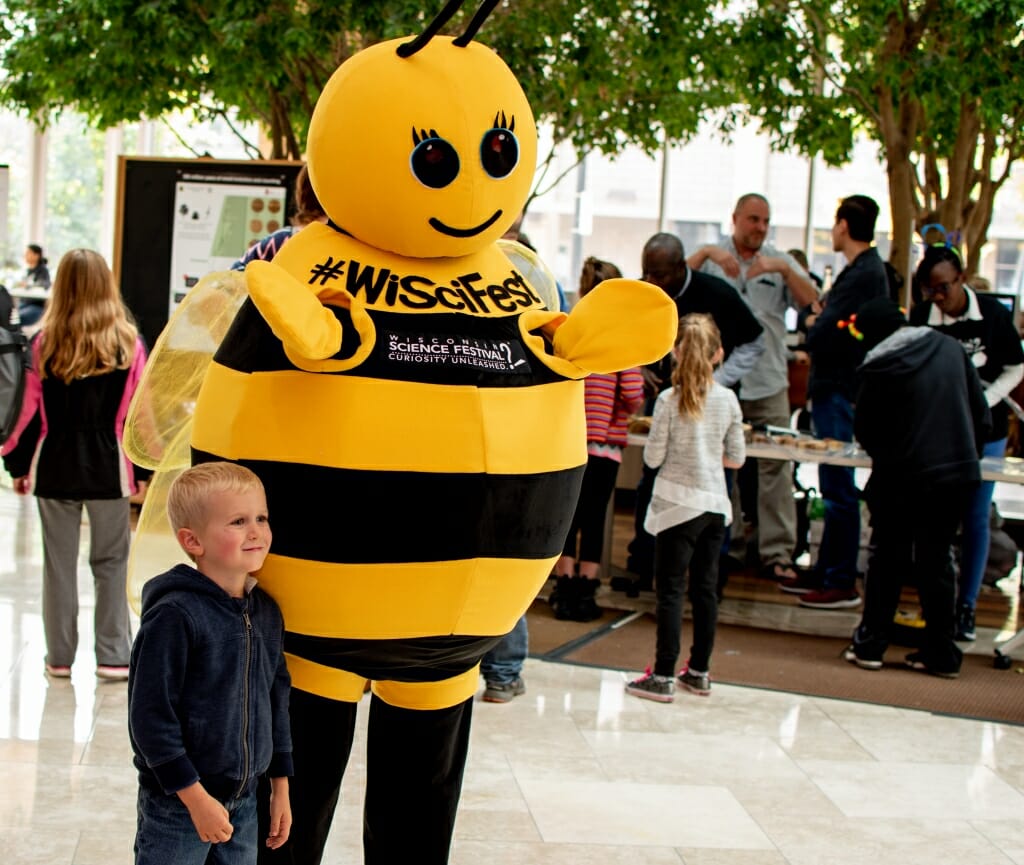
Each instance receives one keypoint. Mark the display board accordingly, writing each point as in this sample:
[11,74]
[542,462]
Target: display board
[178,219]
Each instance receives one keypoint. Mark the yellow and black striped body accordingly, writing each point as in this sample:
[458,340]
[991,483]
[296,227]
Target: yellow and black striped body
[420,480]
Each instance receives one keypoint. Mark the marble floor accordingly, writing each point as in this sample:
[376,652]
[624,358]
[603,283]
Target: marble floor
[571,773]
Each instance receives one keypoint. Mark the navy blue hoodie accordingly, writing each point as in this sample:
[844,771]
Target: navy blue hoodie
[920,413]
[208,687]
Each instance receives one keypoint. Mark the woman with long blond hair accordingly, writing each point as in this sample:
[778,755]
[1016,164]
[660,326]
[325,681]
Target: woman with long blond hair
[696,433]
[66,450]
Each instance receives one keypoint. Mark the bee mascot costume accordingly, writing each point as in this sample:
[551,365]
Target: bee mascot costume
[415,412]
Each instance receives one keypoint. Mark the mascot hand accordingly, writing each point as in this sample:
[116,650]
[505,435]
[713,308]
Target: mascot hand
[294,312]
[622,323]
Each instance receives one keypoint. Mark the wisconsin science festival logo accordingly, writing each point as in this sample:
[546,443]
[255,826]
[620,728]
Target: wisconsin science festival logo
[496,355]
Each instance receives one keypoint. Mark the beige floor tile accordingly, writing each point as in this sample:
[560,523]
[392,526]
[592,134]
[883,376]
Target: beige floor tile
[731,857]
[812,840]
[30,846]
[915,790]
[525,853]
[692,759]
[665,815]
[1007,835]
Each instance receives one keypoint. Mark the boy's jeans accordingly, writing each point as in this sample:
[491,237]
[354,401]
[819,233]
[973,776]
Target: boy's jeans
[166,833]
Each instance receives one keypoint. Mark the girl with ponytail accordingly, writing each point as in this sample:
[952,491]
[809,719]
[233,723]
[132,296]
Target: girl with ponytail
[696,433]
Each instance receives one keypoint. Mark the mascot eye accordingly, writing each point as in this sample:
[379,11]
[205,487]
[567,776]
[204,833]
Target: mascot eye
[435,162]
[499,152]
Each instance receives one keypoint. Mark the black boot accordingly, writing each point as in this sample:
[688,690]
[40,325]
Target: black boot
[586,609]
[565,597]
[640,584]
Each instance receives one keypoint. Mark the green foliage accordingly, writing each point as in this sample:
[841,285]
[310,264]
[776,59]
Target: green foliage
[816,73]
[936,82]
[604,75]
[119,60]
[610,73]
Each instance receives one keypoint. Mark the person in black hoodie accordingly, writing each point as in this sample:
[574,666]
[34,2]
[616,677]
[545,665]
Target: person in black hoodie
[921,416]
[208,687]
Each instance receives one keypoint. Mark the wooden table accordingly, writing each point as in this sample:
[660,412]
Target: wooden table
[1005,470]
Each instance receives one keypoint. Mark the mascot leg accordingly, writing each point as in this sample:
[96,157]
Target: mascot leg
[414,765]
[322,733]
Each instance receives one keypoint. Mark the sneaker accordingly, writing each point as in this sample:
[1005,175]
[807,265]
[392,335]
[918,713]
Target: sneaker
[652,687]
[830,599]
[695,683]
[916,661]
[58,671]
[965,629]
[850,654]
[112,674]
[803,583]
[504,692]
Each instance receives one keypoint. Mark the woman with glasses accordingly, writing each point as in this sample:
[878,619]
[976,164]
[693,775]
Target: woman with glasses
[985,328]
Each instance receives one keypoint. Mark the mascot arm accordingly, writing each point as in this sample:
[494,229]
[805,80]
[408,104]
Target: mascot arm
[294,312]
[622,323]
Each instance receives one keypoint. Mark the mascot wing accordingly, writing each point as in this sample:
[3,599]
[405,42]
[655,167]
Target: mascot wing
[158,427]
[165,399]
[533,269]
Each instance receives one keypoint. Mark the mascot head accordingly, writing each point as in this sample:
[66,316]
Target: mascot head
[425,148]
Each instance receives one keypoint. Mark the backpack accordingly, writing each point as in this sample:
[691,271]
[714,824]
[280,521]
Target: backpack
[15,360]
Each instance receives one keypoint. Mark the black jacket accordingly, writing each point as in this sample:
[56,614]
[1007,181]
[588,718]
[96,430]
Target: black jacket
[834,356]
[920,413]
[207,687]
[6,307]
[716,297]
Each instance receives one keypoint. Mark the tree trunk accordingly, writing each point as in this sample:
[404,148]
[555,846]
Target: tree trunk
[903,209]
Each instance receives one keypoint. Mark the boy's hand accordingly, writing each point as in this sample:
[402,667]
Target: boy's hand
[208,815]
[280,813]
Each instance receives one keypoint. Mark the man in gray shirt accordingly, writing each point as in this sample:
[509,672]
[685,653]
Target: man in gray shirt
[770,281]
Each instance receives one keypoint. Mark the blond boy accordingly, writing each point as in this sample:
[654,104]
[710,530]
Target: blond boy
[207,685]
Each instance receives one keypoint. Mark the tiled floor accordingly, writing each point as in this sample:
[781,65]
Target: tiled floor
[574,772]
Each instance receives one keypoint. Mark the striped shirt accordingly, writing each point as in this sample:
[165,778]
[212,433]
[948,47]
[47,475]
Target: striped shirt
[609,400]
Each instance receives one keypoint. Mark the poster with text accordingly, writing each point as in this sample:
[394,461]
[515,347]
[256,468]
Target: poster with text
[215,222]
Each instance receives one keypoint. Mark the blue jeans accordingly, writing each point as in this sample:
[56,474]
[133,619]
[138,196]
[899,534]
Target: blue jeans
[977,531]
[840,542]
[166,833]
[504,662]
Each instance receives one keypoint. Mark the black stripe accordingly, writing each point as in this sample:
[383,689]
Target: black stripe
[250,346]
[421,659]
[360,517]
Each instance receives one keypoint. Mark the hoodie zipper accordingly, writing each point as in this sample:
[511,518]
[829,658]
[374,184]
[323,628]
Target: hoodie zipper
[245,701]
